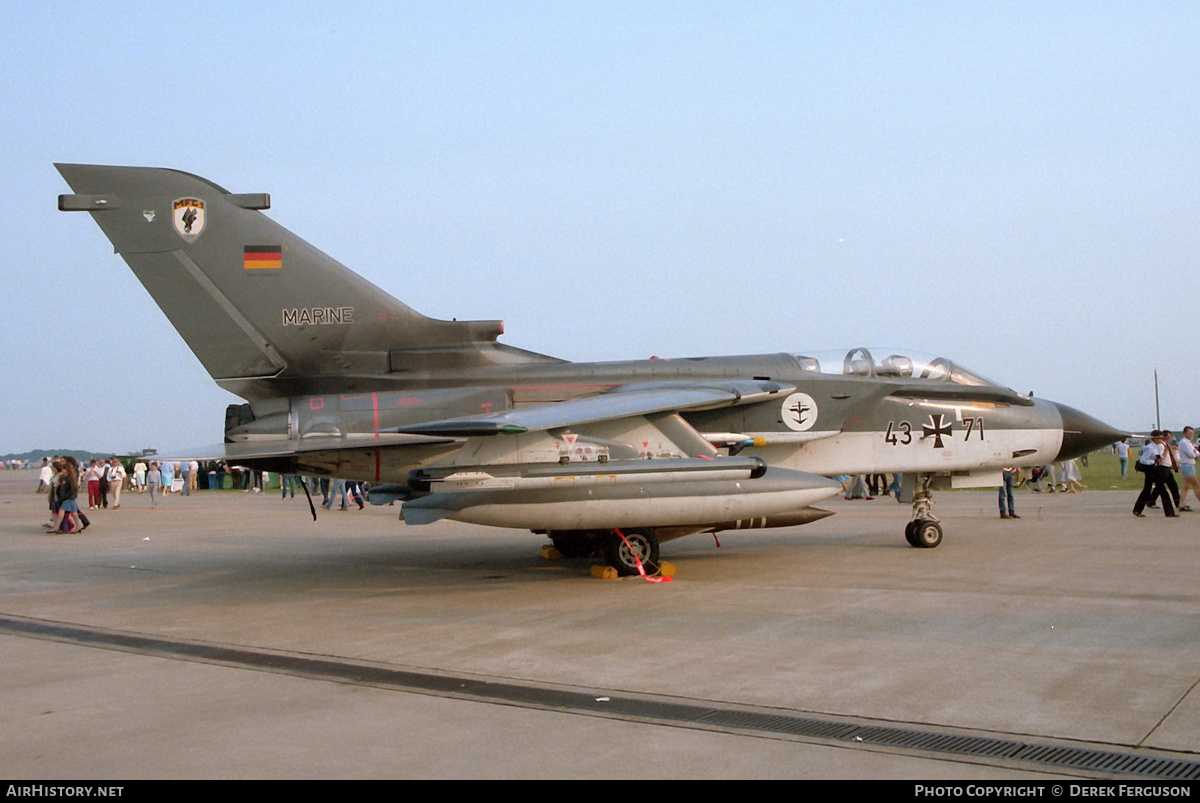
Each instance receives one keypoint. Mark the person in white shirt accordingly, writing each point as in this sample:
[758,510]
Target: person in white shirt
[92,478]
[1151,464]
[45,477]
[115,473]
[1187,467]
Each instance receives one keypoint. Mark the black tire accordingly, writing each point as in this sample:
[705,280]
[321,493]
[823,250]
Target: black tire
[928,535]
[643,541]
[576,543]
[910,533]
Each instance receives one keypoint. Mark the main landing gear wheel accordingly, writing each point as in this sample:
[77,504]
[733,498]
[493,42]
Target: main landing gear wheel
[620,555]
[923,533]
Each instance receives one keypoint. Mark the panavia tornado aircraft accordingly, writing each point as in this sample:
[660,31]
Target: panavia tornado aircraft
[343,380]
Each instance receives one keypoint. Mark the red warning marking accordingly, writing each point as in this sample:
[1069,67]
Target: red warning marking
[406,400]
[569,438]
[316,404]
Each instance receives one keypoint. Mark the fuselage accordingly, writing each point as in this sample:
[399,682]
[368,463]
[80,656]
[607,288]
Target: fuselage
[860,420]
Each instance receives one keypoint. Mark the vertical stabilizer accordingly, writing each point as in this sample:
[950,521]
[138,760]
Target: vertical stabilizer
[254,301]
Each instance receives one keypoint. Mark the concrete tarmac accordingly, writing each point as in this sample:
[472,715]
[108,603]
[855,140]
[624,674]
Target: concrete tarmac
[227,635]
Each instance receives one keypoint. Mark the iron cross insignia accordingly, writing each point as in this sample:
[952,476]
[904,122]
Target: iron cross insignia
[937,427]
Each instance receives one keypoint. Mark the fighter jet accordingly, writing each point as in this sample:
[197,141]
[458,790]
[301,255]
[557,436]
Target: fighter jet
[341,379]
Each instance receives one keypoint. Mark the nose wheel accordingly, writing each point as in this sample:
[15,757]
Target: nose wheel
[924,531]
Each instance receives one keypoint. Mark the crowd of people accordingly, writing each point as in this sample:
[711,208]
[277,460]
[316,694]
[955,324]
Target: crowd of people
[1162,457]
[64,479]
[59,479]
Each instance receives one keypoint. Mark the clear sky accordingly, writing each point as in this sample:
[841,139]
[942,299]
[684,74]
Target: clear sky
[1013,185]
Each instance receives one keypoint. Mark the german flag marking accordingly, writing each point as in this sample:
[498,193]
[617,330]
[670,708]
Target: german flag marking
[263,257]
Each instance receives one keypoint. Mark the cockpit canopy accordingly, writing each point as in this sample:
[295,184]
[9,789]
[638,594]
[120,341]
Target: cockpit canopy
[889,363]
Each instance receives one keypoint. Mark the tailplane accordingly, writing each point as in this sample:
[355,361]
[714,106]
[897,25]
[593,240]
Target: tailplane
[264,311]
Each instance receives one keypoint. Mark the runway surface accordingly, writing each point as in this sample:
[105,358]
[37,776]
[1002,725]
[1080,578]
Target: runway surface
[227,635]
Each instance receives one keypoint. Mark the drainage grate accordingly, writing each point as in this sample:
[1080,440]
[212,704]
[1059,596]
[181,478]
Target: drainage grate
[666,712]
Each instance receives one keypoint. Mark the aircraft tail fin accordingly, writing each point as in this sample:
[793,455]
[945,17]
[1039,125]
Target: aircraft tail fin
[260,307]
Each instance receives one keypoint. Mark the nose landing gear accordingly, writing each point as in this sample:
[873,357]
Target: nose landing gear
[925,529]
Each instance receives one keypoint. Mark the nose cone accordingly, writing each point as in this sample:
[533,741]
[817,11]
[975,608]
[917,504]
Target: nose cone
[1083,434]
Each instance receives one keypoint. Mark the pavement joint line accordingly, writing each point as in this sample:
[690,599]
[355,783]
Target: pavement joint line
[915,739]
